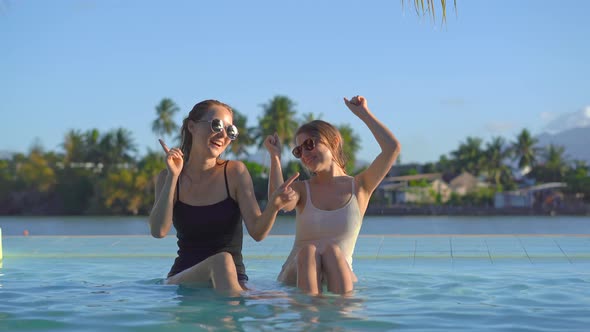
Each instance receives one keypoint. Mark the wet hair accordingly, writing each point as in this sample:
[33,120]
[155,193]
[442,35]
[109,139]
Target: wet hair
[196,114]
[329,136]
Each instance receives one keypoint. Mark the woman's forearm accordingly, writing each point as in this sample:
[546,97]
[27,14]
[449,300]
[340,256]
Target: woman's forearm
[161,214]
[275,177]
[265,221]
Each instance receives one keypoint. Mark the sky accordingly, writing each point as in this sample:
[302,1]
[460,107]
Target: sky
[493,69]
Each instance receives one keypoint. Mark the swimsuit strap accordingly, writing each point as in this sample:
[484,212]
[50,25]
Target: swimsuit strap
[178,189]
[225,176]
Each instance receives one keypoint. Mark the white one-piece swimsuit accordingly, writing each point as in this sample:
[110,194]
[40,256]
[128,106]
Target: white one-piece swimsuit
[323,227]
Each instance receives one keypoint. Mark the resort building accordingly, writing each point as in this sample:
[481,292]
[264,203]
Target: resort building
[546,195]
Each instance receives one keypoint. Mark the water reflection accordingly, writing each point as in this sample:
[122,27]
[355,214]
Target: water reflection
[281,307]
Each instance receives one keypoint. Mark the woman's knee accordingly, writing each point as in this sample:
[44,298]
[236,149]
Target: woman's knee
[306,253]
[332,251]
[224,259]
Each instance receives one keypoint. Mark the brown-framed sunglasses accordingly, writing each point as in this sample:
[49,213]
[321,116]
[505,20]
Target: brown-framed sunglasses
[308,144]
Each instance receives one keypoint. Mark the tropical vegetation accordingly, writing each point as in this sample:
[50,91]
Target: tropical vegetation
[96,172]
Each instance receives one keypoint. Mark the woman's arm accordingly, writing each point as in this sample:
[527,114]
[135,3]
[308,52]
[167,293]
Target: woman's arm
[275,177]
[370,178]
[161,215]
[258,223]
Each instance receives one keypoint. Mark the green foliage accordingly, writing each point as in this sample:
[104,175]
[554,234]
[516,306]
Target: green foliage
[75,187]
[350,145]
[36,173]
[164,124]
[496,155]
[7,182]
[578,181]
[99,172]
[246,137]
[309,117]
[259,179]
[554,165]
[122,191]
[469,157]
[481,197]
[422,183]
[523,149]
[278,117]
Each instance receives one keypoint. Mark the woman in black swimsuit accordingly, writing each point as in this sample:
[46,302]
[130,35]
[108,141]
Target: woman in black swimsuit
[206,198]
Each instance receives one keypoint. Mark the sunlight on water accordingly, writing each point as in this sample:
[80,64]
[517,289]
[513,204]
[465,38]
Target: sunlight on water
[127,294]
[433,282]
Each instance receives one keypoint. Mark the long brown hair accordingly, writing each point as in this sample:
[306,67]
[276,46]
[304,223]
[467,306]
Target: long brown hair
[329,136]
[196,114]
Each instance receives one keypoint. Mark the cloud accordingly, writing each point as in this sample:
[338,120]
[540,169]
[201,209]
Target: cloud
[566,121]
[499,127]
[548,116]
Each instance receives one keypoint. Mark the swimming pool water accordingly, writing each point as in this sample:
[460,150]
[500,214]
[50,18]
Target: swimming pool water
[421,283]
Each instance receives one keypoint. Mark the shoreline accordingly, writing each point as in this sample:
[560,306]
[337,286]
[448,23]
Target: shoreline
[474,211]
[399,210]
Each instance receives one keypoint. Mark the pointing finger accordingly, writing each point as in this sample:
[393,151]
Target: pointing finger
[164,146]
[291,179]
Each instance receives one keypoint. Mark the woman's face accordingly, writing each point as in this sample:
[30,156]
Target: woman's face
[203,136]
[316,159]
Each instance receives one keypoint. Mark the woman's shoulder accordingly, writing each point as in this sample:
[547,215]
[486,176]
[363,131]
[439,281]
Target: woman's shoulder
[236,166]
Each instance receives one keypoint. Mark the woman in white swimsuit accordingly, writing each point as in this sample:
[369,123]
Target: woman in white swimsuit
[331,205]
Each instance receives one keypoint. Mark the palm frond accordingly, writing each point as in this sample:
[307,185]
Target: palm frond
[430,8]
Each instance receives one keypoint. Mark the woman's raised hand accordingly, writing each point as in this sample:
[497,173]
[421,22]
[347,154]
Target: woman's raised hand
[174,159]
[357,104]
[273,144]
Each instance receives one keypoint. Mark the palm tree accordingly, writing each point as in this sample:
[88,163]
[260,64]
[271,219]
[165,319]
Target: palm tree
[469,156]
[164,124]
[496,153]
[116,147]
[149,166]
[309,117]
[125,145]
[524,150]
[279,117]
[350,146]
[555,166]
[91,142]
[74,146]
[245,139]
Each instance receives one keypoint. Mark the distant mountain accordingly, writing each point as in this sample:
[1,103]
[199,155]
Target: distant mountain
[576,142]
[5,154]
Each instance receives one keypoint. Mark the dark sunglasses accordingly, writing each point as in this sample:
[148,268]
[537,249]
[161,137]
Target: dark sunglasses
[217,127]
[308,144]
